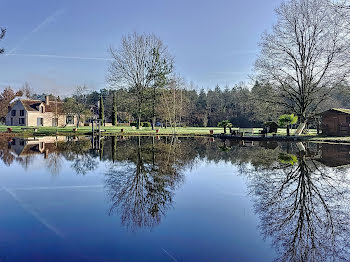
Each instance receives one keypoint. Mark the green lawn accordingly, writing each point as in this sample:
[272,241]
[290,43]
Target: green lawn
[116,130]
[185,131]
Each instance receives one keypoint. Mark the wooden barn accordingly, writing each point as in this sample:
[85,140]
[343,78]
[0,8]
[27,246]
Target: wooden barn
[336,122]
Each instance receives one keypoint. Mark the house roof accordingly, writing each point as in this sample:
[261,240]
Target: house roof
[340,110]
[33,105]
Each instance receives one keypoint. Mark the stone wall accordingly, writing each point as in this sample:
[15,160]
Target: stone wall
[47,118]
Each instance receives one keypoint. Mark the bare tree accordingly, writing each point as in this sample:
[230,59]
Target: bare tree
[27,90]
[160,67]
[305,56]
[136,66]
[172,102]
[2,34]
[77,105]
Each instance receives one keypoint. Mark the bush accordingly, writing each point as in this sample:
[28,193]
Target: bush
[285,120]
[146,124]
[133,124]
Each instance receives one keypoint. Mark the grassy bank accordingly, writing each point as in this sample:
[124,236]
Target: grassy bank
[130,131]
[46,131]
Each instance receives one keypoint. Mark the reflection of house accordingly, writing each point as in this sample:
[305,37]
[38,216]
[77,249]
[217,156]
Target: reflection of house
[336,122]
[43,145]
[26,112]
[335,155]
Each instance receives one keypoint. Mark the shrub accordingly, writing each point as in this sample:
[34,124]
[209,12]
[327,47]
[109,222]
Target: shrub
[146,124]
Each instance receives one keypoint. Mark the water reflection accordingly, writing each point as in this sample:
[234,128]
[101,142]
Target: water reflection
[142,186]
[300,191]
[303,205]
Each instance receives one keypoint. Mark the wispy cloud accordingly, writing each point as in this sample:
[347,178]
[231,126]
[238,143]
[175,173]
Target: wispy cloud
[63,57]
[47,20]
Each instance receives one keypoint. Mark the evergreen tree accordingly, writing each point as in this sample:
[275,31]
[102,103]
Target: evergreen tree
[102,110]
[114,109]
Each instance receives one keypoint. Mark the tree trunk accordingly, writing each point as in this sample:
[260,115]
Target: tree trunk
[153,122]
[224,129]
[288,130]
[300,129]
[153,108]
[138,121]
[78,120]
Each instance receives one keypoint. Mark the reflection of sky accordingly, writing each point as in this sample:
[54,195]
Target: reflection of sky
[64,217]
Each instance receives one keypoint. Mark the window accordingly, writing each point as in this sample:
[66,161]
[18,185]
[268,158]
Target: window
[54,121]
[41,109]
[70,120]
[21,121]
[21,112]
[13,113]
[40,121]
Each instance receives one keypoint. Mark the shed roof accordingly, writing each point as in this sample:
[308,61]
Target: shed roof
[340,110]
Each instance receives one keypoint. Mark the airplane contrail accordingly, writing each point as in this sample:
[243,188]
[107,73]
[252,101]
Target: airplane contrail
[46,21]
[59,187]
[34,213]
[63,57]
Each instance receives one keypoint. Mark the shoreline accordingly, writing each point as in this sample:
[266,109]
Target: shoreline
[181,132]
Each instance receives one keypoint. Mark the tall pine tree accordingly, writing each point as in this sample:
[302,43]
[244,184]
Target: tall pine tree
[114,109]
[102,110]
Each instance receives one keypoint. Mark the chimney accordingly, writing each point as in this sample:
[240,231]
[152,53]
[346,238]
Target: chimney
[47,100]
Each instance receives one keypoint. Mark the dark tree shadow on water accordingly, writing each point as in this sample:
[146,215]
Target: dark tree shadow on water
[141,189]
[304,208]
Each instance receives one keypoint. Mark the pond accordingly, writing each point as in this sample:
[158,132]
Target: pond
[173,199]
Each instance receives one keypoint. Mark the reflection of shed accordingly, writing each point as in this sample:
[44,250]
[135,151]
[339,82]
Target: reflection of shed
[336,122]
[335,155]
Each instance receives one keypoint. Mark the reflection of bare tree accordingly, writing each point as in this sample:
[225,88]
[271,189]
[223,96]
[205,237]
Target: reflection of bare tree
[304,208]
[78,153]
[25,161]
[5,154]
[142,188]
[54,162]
[83,163]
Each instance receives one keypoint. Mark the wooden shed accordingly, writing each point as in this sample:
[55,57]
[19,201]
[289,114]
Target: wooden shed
[336,122]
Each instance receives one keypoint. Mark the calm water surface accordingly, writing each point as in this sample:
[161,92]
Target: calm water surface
[167,199]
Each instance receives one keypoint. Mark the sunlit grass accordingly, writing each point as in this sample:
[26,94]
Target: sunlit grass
[127,130]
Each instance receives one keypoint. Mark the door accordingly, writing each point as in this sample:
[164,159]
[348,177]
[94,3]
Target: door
[40,121]
[335,125]
[54,121]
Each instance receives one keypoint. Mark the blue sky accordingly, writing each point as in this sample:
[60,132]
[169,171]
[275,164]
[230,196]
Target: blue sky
[56,45]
